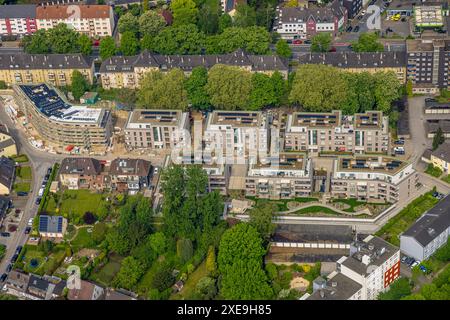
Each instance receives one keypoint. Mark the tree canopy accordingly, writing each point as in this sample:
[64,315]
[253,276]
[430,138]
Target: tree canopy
[367,42]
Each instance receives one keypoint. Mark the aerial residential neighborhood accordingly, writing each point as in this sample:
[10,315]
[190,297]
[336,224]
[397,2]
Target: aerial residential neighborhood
[225,150]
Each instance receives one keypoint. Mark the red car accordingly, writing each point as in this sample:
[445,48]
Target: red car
[333,49]
[297,41]
[96,43]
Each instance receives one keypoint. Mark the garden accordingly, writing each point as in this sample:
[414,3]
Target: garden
[434,171]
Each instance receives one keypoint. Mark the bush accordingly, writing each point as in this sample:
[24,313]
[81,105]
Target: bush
[89,218]
[163,277]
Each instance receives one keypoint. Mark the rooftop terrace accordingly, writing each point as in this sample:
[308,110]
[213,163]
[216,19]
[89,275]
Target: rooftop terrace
[375,164]
[236,118]
[316,119]
[155,117]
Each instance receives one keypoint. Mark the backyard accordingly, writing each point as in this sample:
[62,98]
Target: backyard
[405,218]
[434,171]
[191,282]
[23,172]
[106,274]
[22,187]
[34,260]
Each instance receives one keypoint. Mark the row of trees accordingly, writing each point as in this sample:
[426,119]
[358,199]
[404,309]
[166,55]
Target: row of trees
[317,88]
[367,42]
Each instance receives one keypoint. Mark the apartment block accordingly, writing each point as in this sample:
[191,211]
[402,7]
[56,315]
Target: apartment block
[291,177]
[235,133]
[357,62]
[93,20]
[333,132]
[18,20]
[303,23]
[60,122]
[55,69]
[429,233]
[428,64]
[155,129]
[353,7]
[130,175]
[373,179]
[128,71]
[218,177]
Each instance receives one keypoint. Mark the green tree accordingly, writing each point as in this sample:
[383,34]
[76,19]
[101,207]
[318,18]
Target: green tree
[144,5]
[99,232]
[85,44]
[79,84]
[151,23]
[37,43]
[163,277]
[208,20]
[321,42]
[129,45]
[266,91]
[253,39]
[318,88]
[184,12]
[158,242]
[63,39]
[229,87]
[261,218]
[128,23]
[131,270]
[283,49]
[367,42]
[265,15]
[211,265]
[387,89]
[225,21]
[206,288]
[409,88]
[398,289]
[3,85]
[245,16]
[438,138]
[107,48]
[165,91]
[185,39]
[196,88]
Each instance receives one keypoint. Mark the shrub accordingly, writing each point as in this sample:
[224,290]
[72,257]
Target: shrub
[89,218]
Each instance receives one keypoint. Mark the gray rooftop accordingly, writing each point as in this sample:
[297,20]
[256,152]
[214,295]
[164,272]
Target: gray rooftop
[431,224]
[317,14]
[18,11]
[340,287]
[443,152]
[189,62]
[356,59]
[312,233]
[44,61]
[376,249]
[7,170]
[432,125]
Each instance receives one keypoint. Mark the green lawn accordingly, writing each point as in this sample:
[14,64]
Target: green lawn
[405,218]
[24,172]
[107,273]
[282,203]
[46,265]
[434,171]
[83,239]
[353,203]
[446,178]
[316,210]
[191,282]
[75,203]
[22,187]
[20,158]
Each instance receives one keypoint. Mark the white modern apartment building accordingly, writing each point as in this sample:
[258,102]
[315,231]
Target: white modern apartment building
[235,134]
[18,19]
[93,20]
[373,179]
[333,132]
[291,176]
[373,264]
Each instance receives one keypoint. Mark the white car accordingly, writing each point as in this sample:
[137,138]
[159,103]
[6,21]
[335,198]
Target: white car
[415,263]
[399,149]
[30,222]
[363,12]
[41,192]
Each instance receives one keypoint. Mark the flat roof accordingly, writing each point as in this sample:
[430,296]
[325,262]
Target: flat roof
[339,287]
[48,101]
[370,119]
[287,160]
[428,16]
[236,118]
[370,163]
[315,119]
[155,117]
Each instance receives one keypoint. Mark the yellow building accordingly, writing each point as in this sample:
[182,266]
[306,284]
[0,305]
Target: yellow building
[55,69]
[7,144]
[127,72]
[357,62]
[440,157]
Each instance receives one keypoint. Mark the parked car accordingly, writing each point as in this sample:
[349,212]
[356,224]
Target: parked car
[27,230]
[41,192]
[5,234]
[49,171]
[403,260]
[356,29]
[415,263]
[3,277]
[9,267]
[30,222]
[423,269]
[22,193]
[307,42]
[397,149]
[14,258]
[349,29]
[333,49]
[38,200]
[400,142]
[18,249]
[297,41]
[409,261]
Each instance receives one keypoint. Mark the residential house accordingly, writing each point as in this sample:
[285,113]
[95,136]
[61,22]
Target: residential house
[52,226]
[87,291]
[55,69]
[18,20]
[7,144]
[428,233]
[441,157]
[128,71]
[17,283]
[44,288]
[93,20]
[130,175]
[357,62]
[7,175]
[4,206]
[81,173]
[304,23]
